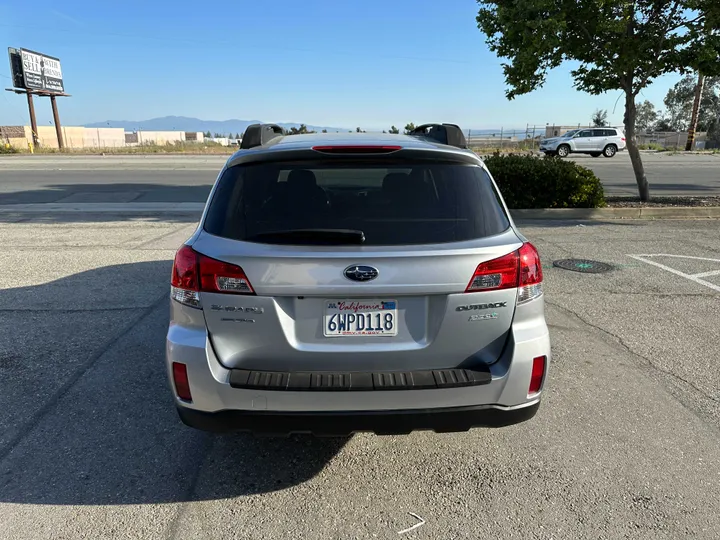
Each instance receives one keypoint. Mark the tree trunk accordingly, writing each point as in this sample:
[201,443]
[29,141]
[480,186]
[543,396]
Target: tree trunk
[695,112]
[635,159]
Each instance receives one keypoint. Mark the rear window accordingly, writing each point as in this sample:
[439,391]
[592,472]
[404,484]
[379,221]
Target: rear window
[390,204]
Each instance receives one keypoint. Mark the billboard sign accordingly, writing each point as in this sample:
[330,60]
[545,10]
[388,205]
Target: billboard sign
[36,71]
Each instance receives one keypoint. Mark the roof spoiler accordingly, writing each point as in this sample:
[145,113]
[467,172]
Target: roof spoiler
[449,134]
[260,134]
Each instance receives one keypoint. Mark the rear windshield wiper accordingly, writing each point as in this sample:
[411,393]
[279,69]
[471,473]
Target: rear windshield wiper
[316,237]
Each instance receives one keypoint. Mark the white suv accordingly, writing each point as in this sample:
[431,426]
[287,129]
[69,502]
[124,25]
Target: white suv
[593,141]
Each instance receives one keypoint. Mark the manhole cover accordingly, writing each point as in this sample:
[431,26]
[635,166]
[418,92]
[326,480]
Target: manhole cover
[583,265]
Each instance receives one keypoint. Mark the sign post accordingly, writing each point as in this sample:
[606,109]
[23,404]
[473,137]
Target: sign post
[36,74]
[33,121]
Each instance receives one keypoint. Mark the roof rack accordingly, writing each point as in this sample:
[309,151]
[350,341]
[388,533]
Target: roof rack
[259,134]
[449,134]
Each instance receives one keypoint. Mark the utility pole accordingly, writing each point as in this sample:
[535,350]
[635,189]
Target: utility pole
[695,112]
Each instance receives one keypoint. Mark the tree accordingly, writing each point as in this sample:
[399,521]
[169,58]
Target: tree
[208,134]
[237,135]
[409,127]
[324,130]
[299,130]
[647,116]
[599,118]
[679,103]
[663,125]
[614,45]
[394,130]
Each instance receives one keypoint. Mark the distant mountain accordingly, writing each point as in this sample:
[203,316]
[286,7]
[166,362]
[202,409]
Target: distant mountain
[184,123]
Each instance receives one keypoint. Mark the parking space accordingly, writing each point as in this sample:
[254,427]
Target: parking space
[624,446]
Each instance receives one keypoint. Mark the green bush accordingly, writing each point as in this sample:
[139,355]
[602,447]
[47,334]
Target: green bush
[652,146]
[7,149]
[531,182]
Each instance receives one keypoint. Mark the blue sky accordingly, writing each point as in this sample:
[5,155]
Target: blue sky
[371,64]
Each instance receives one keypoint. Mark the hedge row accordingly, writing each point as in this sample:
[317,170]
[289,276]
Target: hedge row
[549,182]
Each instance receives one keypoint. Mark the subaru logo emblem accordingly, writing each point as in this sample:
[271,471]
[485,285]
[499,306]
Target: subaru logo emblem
[358,272]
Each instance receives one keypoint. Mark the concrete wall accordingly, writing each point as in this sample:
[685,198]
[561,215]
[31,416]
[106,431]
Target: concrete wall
[73,137]
[160,137]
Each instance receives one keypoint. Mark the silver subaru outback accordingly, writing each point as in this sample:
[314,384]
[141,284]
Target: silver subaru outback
[356,282]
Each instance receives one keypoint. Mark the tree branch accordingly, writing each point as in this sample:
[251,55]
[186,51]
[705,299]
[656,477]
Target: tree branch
[678,26]
[661,42]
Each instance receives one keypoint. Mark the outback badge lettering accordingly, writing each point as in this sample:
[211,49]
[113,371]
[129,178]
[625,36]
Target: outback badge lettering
[471,307]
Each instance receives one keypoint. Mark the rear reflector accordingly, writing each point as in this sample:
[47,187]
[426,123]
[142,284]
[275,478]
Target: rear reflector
[182,384]
[194,273]
[538,374]
[356,149]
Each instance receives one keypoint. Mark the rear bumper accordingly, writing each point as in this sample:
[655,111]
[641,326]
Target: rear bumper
[344,423]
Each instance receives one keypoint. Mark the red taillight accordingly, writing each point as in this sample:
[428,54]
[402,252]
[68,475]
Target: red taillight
[182,383]
[537,375]
[501,273]
[623,139]
[520,269]
[530,267]
[195,272]
[357,149]
[184,272]
[220,277]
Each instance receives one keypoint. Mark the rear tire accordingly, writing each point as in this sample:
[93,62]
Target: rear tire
[563,150]
[610,150]
[595,154]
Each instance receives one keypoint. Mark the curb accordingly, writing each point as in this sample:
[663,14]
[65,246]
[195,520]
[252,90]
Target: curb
[666,212]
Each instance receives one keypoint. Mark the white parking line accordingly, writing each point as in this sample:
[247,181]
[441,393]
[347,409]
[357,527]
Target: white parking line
[692,277]
[707,274]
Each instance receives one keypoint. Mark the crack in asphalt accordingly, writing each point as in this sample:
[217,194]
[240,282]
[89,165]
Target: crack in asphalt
[203,451]
[25,430]
[626,347]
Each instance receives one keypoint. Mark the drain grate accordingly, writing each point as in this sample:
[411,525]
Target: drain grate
[584,266]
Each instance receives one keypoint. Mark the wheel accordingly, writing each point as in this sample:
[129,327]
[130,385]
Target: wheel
[595,154]
[610,150]
[563,150]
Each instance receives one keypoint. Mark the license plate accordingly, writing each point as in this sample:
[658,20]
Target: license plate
[360,318]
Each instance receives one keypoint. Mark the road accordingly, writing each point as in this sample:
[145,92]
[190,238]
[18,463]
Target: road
[80,179]
[625,444]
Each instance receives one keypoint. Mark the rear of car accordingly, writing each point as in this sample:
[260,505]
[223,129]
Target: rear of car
[334,288]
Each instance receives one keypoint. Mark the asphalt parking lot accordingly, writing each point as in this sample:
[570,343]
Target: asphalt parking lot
[625,444]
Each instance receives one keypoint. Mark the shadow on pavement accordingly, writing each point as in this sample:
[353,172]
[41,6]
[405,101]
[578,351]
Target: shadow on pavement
[87,190]
[94,423]
[108,186]
[680,187]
